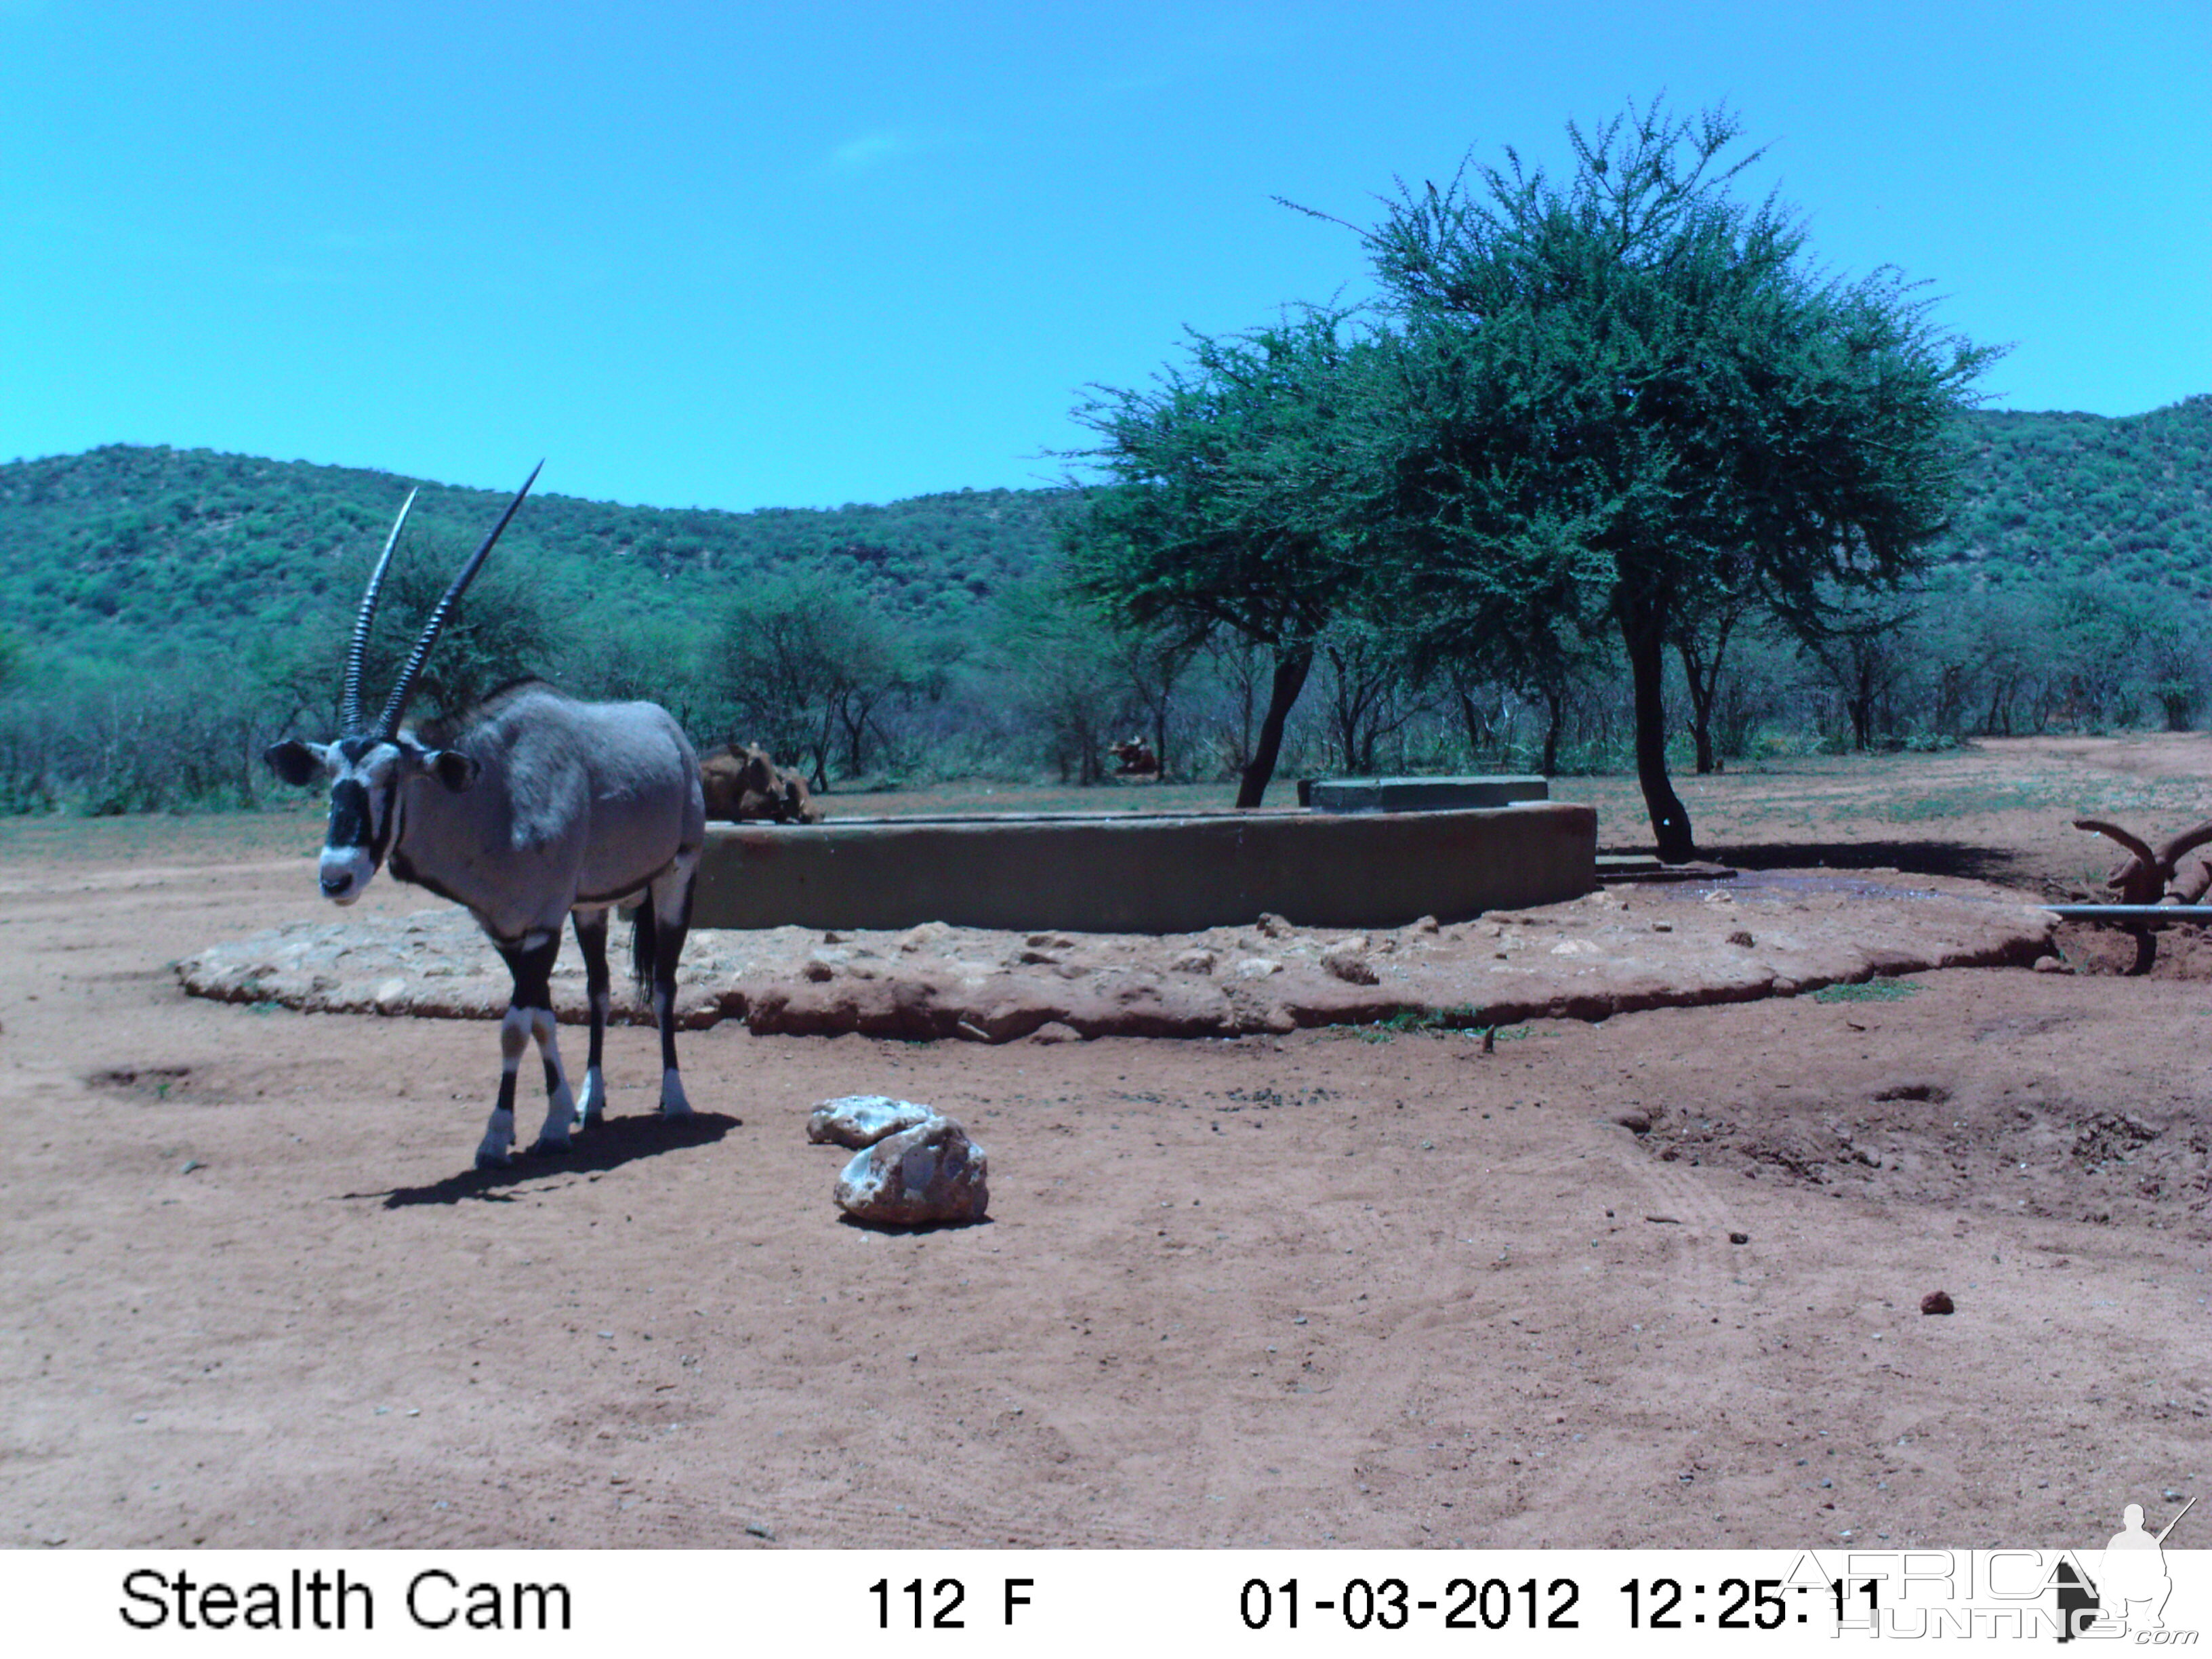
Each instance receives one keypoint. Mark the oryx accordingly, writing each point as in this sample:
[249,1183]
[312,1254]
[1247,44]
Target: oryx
[533,808]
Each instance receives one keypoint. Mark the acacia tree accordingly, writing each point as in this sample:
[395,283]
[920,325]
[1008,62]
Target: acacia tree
[1374,689]
[805,664]
[1234,501]
[1700,634]
[2173,662]
[1632,388]
[1153,662]
[1066,679]
[1863,653]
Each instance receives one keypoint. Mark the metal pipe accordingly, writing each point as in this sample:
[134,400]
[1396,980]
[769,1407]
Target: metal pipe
[2130,912]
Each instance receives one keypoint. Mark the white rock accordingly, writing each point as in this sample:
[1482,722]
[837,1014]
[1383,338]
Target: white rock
[1257,968]
[932,1172]
[862,1119]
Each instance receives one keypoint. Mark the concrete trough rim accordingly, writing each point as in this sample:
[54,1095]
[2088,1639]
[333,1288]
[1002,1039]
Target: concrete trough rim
[1134,818]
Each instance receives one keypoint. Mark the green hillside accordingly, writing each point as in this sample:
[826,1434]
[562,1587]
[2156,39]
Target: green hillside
[2059,495]
[143,555]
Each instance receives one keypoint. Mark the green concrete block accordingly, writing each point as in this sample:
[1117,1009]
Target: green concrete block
[1426,795]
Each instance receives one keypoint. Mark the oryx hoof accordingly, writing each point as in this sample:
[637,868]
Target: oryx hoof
[546,1144]
[487,1160]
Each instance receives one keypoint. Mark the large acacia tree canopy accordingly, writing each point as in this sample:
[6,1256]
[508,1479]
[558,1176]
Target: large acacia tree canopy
[1631,396]
[1620,403]
[1639,364]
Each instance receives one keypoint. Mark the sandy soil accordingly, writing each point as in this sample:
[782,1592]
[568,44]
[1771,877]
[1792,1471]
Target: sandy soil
[1326,1287]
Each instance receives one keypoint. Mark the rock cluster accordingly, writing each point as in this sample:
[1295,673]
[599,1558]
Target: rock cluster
[914,1166]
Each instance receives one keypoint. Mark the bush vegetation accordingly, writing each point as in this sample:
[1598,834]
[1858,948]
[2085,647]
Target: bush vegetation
[168,613]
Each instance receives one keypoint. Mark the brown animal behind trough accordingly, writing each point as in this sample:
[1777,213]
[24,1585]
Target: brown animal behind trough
[743,786]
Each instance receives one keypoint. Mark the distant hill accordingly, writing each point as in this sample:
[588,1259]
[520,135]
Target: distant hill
[2065,494]
[148,555]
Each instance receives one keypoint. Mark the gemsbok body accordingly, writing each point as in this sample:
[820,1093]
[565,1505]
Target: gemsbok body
[530,809]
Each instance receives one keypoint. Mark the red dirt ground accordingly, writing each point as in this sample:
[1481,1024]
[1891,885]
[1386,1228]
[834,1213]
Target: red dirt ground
[1315,1289]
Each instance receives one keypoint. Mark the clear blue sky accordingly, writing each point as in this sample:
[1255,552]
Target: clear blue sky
[742,255]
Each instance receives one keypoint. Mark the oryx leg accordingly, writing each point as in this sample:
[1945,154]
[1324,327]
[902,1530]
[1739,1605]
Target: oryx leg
[670,901]
[591,939]
[529,1014]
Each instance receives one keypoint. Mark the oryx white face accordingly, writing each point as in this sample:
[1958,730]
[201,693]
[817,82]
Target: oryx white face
[367,775]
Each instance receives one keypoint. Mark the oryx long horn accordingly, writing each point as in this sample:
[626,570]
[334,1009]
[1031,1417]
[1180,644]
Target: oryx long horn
[349,706]
[388,726]
[2099,827]
[2140,880]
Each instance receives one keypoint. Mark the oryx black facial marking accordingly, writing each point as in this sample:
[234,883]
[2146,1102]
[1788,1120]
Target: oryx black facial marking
[351,822]
[365,812]
[533,808]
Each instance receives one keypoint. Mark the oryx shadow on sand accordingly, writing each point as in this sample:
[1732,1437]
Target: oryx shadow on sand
[607,1144]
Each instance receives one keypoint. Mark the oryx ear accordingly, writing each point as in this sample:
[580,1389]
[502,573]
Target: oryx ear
[294,761]
[452,768]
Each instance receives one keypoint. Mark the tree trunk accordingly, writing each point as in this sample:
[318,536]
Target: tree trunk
[823,739]
[1290,678]
[1701,703]
[1478,729]
[1643,631]
[1092,769]
[1555,716]
[1703,674]
[1701,731]
[856,729]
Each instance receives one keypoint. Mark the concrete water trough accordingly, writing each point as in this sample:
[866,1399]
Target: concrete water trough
[1129,872]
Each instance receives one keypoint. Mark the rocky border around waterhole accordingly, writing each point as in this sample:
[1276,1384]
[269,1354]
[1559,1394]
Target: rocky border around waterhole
[1618,950]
